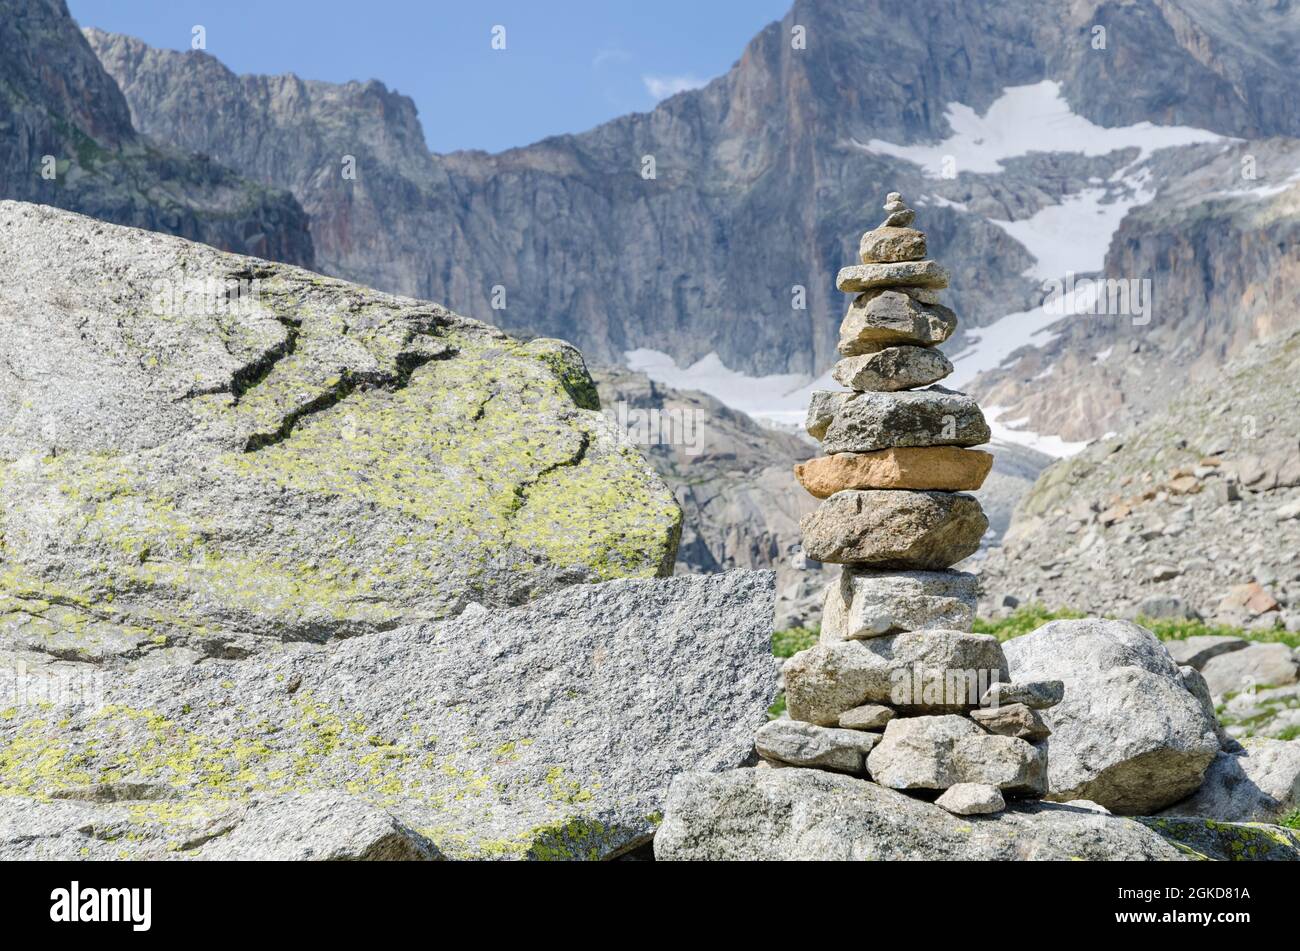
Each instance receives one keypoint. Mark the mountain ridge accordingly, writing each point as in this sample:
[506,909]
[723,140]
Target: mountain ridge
[765,176]
[69,142]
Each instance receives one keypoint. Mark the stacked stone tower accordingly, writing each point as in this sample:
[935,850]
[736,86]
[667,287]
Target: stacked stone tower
[898,689]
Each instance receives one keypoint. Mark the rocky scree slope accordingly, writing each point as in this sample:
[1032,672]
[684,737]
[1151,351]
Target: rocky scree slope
[308,460]
[56,100]
[773,155]
[1195,512]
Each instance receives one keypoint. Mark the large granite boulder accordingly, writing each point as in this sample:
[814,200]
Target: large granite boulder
[548,731]
[812,815]
[211,452]
[1129,734]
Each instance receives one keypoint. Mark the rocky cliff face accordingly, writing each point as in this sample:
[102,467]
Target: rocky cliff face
[760,180]
[1222,258]
[66,139]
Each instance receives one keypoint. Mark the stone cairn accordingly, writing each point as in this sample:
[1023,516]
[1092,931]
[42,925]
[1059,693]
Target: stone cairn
[898,689]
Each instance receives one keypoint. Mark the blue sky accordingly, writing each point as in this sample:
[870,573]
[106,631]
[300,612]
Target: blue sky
[568,65]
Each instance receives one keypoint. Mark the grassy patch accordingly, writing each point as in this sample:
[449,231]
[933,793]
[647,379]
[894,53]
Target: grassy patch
[776,709]
[1171,630]
[790,642]
[1022,621]
[1291,820]
[1033,616]
[787,643]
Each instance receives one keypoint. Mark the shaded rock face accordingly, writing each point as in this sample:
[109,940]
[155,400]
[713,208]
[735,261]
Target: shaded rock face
[811,815]
[740,160]
[489,735]
[313,460]
[1260,782]
[74,114]
[1129,735]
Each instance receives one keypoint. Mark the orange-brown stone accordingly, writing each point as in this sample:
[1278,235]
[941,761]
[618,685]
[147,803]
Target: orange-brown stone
[942,468]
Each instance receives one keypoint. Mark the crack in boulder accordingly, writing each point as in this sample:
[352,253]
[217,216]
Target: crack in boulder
[348,382]
[576,459]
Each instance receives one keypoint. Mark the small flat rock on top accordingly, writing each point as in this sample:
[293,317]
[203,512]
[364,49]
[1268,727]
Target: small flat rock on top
[866,422]
[864,277]
[894,368]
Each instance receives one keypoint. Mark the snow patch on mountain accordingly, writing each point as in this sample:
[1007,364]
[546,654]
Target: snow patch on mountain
[1074,235]
[1071,237]
[1026,119]
[780,398]
[987,348]
[1013,431]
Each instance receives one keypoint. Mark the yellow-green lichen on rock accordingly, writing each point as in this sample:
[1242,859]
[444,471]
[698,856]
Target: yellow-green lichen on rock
[490,733]
[312,461]
[1209,839]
